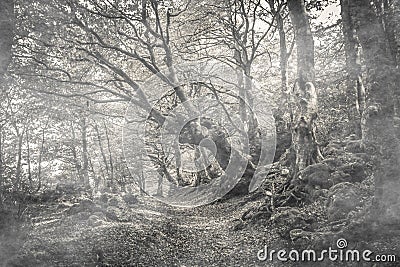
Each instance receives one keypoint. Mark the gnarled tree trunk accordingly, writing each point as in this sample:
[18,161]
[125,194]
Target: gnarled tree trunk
[305,113]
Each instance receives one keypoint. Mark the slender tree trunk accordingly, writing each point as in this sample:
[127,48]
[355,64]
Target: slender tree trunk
[355,94]
[19,160]
[85,161]
[283,52]
[75,154]
[28,158]
[39,175]
[112,178]
[378,131]
[305,113]
[103,155]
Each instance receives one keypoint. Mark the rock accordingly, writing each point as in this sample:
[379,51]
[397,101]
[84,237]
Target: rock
[113,213]
[69,188]
[355,146]
[82,215]
[290,218]
[104,197]
[320,193]
[94,221]
[130,198]
[114,201]
[339,177]
[320,180]
[84,205]
[332,162]
[362,157]
[239,225]
[299,237]
[342,198]
[333,149]
[317,175]
[261,215]
[355,171]
[285,172]
[99,214]
[64,205]
[315,168]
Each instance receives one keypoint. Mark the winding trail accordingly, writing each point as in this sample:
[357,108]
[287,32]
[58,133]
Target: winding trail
[147,233]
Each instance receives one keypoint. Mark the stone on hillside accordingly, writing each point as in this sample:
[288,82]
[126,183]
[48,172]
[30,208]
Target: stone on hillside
[317,176]
[333,149]
[94,221]
[130,198]
[82,206]
[342,199]
[355,171]
[287,219]
[354,146]
[113,213]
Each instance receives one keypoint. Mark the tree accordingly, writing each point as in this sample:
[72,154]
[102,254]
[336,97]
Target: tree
[305,113]
[6,33]
[355,88]
[378,132]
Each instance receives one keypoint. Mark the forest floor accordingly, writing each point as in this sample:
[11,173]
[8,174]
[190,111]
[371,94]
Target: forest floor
[146,233]
[115,230]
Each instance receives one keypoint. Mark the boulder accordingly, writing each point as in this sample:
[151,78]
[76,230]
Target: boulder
[113,213]
[355,171]
[130,198]
[354,146]
[94,221]
[287,219]
[334,148]
[85,205]
[342,199]
[317,176]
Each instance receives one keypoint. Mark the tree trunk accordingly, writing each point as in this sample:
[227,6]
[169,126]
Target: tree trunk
[103,155]
[39,173]
[378,131]
[305,110]
[2,176]
[6,33]
[355,94]
[112,178]
[85,161]
[6,40]
[392,29]
[75,154]
[283,53]
[28,158]
[19,161]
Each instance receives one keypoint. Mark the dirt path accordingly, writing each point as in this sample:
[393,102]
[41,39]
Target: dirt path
[143,234]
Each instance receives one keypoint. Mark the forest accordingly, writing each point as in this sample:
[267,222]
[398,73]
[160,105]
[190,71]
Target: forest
[199,133]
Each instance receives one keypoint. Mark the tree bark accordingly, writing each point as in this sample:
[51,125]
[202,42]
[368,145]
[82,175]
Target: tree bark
[355,94]
[305,113]
[6,34]
[2,176]
[85,160]
[378,132]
